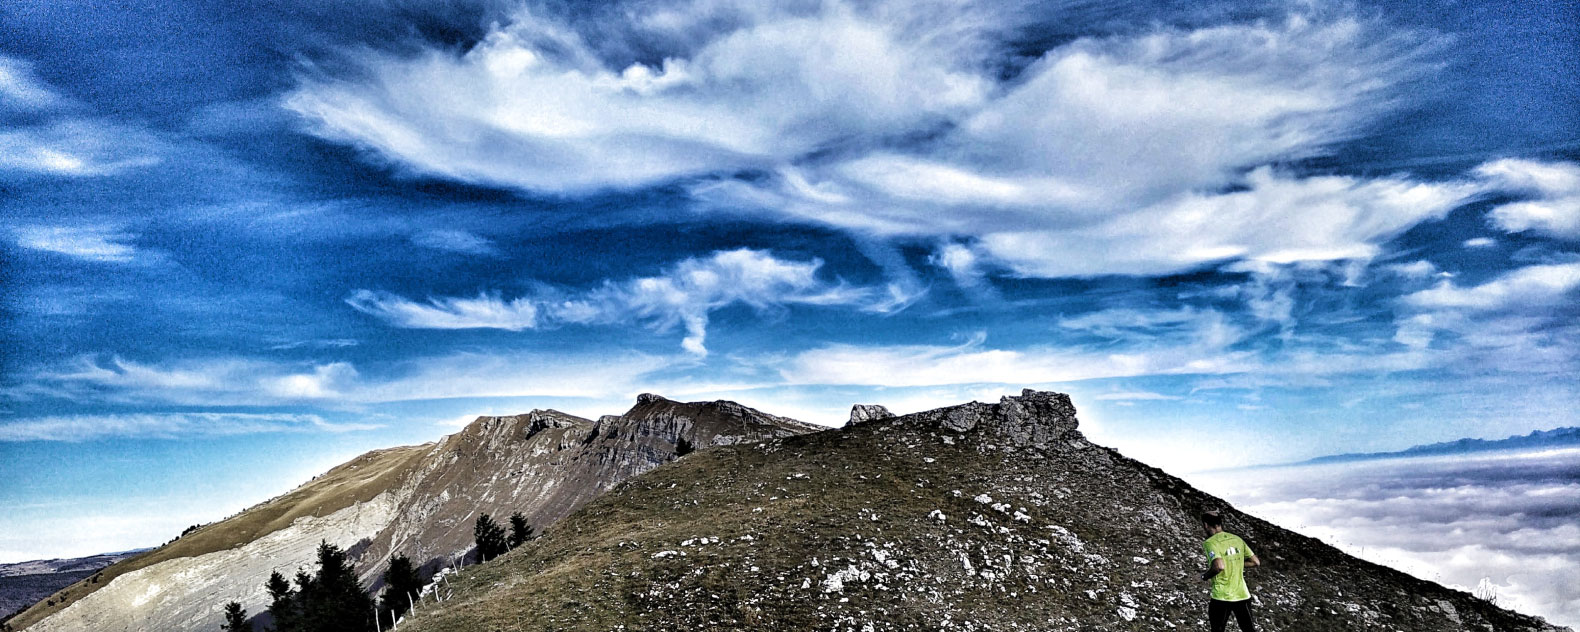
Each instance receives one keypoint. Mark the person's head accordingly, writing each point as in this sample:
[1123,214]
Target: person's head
[1212,522]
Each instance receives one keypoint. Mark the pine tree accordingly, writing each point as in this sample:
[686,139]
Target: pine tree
[236,618]
[490,538]
[282,605]
[335,599]
[401,583]
[331,600]
[520,531]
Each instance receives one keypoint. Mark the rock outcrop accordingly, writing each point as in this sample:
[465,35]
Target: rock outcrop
[863,413]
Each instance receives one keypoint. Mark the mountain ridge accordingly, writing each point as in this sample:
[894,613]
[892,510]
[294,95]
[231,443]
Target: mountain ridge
[418,501]
[972,517]
[709,515]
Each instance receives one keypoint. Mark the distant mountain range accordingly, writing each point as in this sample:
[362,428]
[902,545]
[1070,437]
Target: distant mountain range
[24,583]
[1555,438]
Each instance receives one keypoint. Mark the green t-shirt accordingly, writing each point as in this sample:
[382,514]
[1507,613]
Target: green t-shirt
[1228,585]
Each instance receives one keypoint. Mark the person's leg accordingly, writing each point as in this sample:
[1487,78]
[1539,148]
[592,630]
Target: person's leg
[1242,614]
[1218,614]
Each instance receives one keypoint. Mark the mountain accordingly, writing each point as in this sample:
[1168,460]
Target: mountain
[974,517]
[420,501]
[23,583]
[1567,437]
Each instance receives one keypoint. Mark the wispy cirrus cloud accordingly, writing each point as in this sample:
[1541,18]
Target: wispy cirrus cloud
[485,311]
[47,133]
[1519,321]
[456,241]
[1203,345]
[90,243]
[164,426]
[248,381]
[682,295]
[21,89]
[76,147]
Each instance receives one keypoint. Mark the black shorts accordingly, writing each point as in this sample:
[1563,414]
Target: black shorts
[1218,614]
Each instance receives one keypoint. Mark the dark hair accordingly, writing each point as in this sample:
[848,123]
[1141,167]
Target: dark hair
[1212,519]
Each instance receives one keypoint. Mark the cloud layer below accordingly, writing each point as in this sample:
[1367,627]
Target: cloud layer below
[1507,517]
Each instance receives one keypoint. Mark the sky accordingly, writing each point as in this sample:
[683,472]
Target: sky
[243,242]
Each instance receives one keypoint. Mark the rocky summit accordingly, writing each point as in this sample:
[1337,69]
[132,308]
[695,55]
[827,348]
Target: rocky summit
[975,517]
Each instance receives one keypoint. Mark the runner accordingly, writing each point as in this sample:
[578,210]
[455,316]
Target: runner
[1227,556]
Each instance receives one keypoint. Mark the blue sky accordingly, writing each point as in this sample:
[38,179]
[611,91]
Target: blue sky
[245,241]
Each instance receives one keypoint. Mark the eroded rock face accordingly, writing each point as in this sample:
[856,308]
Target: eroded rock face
[546,464]
[190,593]
[862,413]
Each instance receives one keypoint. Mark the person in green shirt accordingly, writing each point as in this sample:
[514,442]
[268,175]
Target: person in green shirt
[1227,557]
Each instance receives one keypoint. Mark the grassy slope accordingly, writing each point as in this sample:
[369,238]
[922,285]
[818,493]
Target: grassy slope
[1106,543]
[357,480]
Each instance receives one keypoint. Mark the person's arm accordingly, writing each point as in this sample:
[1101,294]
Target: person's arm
[1213,570]
[1252,561]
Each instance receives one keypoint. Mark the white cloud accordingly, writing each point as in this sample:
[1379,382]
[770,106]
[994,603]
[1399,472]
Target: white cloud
[51,134]
[1134,154]
[1514,323]
[241,381]
[83,242]
[1117,322]
[1128,396]
[21,89]
[1414,270]
[235,381]
[1555,191]
[595,375]
[683,295]
[963,264]
[1109,155]
[482,312]
[73,146]
[1277,219]
[1531,286]
[533,106]
[163,426]
[1202,346]
[323,343]
[1480,242]
[456,241]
